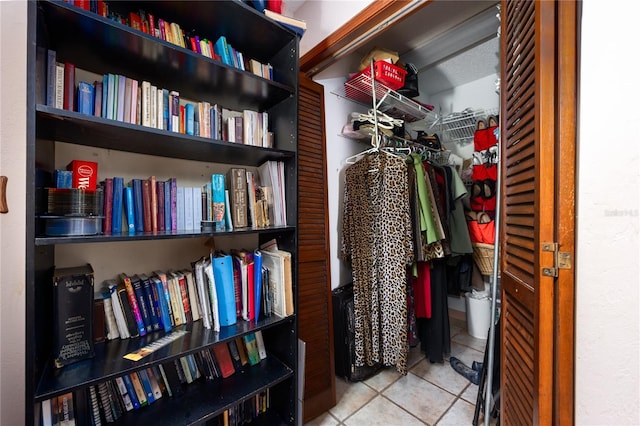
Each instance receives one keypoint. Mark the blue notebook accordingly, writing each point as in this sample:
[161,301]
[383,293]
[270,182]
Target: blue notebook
[223,277]
[118,195]
[257,281]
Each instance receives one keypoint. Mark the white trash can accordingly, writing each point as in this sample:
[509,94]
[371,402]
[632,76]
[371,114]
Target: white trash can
[478,307]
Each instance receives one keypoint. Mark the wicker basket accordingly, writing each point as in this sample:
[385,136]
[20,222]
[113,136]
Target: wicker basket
[483,256]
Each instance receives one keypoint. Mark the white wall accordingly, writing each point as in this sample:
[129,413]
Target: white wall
[323,17]
[607,296]
[13,89]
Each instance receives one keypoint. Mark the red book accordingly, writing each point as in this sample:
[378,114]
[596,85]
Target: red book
[146,204]
[221,352]
[152,24]
[68,102]
[192,40]
[182,130]
[184,294]
[154,204]
[102,9]
[160,198]
[108,205]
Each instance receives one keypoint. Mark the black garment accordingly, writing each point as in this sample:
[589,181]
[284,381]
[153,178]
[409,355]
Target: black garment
[435,332]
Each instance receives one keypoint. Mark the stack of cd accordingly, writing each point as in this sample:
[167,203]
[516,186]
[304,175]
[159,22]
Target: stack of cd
[72,212]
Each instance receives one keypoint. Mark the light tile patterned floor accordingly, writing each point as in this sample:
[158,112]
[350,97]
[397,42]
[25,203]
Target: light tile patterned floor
[430,394]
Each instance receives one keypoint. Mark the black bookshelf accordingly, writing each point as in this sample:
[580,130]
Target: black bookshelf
[99,46]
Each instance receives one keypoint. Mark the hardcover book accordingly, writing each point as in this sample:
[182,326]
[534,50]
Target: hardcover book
[133,302]
[223,359]
[118,195]
[218,205]
[73,314]
[252,348]
[143,304]
[69,100]
[237,182]
[85,98]
[225,292]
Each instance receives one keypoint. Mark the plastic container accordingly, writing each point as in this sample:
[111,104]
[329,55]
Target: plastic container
[388,74]
[478,308]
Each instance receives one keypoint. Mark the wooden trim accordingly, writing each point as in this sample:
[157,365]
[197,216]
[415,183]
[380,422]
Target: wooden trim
[567,94]
[323,54]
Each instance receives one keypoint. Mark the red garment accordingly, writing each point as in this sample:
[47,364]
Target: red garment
[422,290]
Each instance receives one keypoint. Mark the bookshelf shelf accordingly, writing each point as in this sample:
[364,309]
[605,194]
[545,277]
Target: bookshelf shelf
[81,129]
[97,45]
[109,363]
[47,241]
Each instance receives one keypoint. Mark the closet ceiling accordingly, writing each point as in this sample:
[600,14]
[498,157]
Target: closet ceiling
[451,42]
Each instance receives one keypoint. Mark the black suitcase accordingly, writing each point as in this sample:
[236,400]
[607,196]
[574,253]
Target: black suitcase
[344,337]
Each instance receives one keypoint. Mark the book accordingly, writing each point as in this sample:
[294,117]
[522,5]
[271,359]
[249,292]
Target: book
[213,295]
[296,25]
[242,350]
[124,393]
[118,194]
[262,352]
[86,99]
[129,209]
[171,379]
[146,205]
[161,300]
[252,348]
[237,183]
[235,354]
[126,380]
[223,359]
[95,406]
[174,205]
[136,184]
[133,302]
[114,307]
[218,198]
[69,102]
[46,414]
[134,102]
[176,299]
[167,206]
[280,285]
[223,278]
[180,208]
[146,385]
[160,206]
[143,303]
[187,194]
[194,300]
[138,389]
[154,204]
[122,87]
[108,205]
[111,323]
[51,78]
[73,315]
[128,92]
[145,101]
[128,327]
[257,282]
[184,296]
[155,316]
[162,276]
[66,411]
[155,386]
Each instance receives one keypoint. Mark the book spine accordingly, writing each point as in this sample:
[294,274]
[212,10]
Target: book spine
[146,385]
[180,207]
[51,78]
[138,389]
[154,204]
[131,391]
[161,300]
[122,88]
[151,303]
[146,205]
[155,386]
[60,92]
[143,305]
[105,95]
[122,388]
[118,193]
[174,204]
[69,86]
[160,205]
[130,209]
[108,205]
[133,301]
[218,206]
[85,98]
[184,296]
[97,100]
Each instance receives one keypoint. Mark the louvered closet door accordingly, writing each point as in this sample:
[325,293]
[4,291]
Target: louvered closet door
[538,116]
[315,315]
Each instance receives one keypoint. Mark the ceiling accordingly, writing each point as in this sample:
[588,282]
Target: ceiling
[451,42]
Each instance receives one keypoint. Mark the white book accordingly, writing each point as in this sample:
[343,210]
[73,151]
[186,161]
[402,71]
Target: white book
[134,102]
[180,207]
[153,107]
[197,207]
[260,341]
[59,93]
[118,313]
[110,320]
[213,295]
[194,303]
[160,111]
[47,418]
[126,398]
[203,293]
[145,101]
[187,193]
[122,80]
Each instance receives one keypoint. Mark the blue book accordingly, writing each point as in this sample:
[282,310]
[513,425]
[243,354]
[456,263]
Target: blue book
[188,112]
[85,98]
[154,312]
[225,291]
[218,201]
[146,384]
[221,49]
[257,281]
[105,94]
[167,206]
[129,208]
[118,194]
[138,211]
[165,109]
[143,302]
[131,391]
[162,303]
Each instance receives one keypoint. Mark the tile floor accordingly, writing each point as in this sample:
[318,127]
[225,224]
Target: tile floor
[430,394]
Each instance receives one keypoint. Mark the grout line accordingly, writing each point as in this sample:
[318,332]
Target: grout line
[403,409]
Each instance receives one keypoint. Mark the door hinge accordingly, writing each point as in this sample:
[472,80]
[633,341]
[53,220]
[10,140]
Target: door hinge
[561,259]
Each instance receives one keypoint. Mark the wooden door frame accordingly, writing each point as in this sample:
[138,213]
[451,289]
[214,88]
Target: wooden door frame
[379,12]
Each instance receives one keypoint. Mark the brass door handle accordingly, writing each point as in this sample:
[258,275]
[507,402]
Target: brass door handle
[4,208]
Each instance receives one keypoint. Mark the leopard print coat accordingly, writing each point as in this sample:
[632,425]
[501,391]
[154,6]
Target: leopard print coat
[377,240]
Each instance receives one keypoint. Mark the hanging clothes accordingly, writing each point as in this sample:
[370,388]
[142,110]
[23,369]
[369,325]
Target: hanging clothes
[377,240]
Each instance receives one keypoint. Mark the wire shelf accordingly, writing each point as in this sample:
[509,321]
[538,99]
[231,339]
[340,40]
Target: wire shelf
[359,89]
[459,127]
